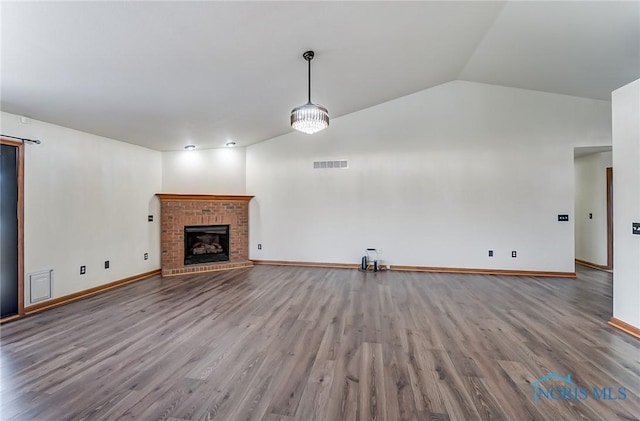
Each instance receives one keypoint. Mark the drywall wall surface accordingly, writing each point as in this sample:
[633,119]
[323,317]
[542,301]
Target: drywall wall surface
[86,200]
[207,171]
[436,178]
[626,203]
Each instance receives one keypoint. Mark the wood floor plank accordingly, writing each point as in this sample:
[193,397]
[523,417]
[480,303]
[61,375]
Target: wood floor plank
[371,393]
[315,398]
[424,377]
[289,343]
[516,407]
[276,417]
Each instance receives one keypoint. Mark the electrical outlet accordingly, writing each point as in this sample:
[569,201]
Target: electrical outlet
[635,228]
[146,256]
[514,254]
[259,246]
[83,270]
[563,217]
[106,264]
[150,218]
[590,215]
[490,253]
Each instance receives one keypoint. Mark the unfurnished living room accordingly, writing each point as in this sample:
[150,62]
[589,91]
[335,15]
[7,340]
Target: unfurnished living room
[308,210]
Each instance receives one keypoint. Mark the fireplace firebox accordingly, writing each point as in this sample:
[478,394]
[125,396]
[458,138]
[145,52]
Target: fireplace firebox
[206,243]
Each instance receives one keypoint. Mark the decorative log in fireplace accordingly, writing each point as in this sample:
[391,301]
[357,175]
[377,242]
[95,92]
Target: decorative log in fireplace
[206,243]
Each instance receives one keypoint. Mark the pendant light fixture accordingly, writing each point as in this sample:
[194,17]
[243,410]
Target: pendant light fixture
[309,118]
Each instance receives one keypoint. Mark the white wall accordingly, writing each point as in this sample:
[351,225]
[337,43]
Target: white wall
[86,201]
[626,202]
[207,171]
[436,178]
[591,198]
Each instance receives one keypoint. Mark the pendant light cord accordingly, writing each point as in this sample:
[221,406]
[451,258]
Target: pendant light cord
[309,62]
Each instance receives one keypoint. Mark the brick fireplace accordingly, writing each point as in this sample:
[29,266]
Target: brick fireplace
[180,211]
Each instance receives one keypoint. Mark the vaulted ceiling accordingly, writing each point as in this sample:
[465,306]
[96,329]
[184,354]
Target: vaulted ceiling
[165,74]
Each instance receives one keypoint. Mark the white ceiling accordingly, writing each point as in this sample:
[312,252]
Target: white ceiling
[164,74]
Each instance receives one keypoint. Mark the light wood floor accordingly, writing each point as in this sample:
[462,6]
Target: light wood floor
[287,343]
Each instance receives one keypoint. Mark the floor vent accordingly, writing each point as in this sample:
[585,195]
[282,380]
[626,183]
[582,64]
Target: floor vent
[40,286]
[340,164]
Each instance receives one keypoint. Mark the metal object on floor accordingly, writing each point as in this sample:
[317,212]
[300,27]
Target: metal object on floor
[371,261]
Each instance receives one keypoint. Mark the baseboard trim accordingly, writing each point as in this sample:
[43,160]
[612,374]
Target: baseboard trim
[9,318]
[593,265]
[484,271]
[420,269]
[307,264]
[36,308]
[625,327]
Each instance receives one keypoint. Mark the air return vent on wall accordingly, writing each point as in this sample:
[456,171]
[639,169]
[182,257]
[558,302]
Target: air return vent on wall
[333,164]
[40,285]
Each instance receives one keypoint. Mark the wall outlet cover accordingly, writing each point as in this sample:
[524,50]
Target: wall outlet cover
[563,217]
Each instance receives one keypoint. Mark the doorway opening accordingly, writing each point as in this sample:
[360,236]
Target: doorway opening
[593,218]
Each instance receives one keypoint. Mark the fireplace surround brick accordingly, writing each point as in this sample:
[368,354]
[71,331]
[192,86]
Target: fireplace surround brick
[178,211]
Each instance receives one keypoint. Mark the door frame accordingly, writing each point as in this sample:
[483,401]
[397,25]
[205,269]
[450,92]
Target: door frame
[609,218]
[20,150]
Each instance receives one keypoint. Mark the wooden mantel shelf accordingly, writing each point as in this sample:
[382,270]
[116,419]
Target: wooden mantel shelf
[167,197]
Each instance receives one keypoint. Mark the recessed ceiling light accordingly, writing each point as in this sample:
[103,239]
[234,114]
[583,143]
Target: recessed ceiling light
[230,143]
[190,147]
